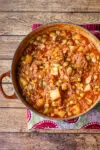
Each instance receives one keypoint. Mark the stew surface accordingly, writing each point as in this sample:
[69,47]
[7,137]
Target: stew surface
[59,73]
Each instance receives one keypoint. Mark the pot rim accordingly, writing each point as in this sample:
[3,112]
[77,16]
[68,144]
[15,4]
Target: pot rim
[23,100]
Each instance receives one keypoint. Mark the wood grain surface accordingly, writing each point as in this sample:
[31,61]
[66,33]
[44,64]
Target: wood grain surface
[51,5]
[8,45]
[20,23]
[16,19]
[36,141]
[13,120]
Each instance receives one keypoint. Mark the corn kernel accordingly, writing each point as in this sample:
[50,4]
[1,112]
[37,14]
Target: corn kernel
[64,86]
[69,70]
[68,59]
[65,64]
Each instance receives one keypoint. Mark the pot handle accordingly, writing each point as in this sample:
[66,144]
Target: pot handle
[1,88]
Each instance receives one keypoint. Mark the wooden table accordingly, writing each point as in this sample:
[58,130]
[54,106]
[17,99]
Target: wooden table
[16,19]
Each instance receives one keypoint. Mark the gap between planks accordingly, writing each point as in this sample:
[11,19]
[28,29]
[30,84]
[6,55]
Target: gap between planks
[46,11]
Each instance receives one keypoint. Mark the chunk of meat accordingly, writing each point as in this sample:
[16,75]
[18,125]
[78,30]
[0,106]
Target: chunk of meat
[79,60]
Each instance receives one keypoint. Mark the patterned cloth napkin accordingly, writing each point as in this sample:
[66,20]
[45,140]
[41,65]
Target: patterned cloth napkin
[90,120]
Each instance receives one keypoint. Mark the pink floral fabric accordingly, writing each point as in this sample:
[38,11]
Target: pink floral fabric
[90,120]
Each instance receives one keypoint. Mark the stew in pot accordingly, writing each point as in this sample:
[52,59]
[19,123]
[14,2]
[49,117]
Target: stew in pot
[59,73]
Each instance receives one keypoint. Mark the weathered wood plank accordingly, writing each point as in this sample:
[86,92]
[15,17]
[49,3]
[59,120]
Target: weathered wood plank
[9,103]
[13,120]
[50,5]
[8,45]
[21,23]
[24,141]
[5,65]
[8,88]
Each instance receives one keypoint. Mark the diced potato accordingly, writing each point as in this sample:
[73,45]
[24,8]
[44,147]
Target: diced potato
[94,59]
[95,77]
[64,86]
[72,48]
[98,57]
[29,87]
[57,32]
[41,46]
[78,79]
[61,113]
[77,41]
[54,69]
[69,70]
[46,105]
[76,109]
[54,94]
[88,79]
[52,114]
[77,37]
[64,41]
[77,91]
[23,82]
[68,59]
[40,102]
[70,42]
[84,42]
[97,86]
[90,46]
[35,42]
[71,102]
[65,64]
[69,113]
[53,35]
[28,59]
[80,49]
[87,88]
